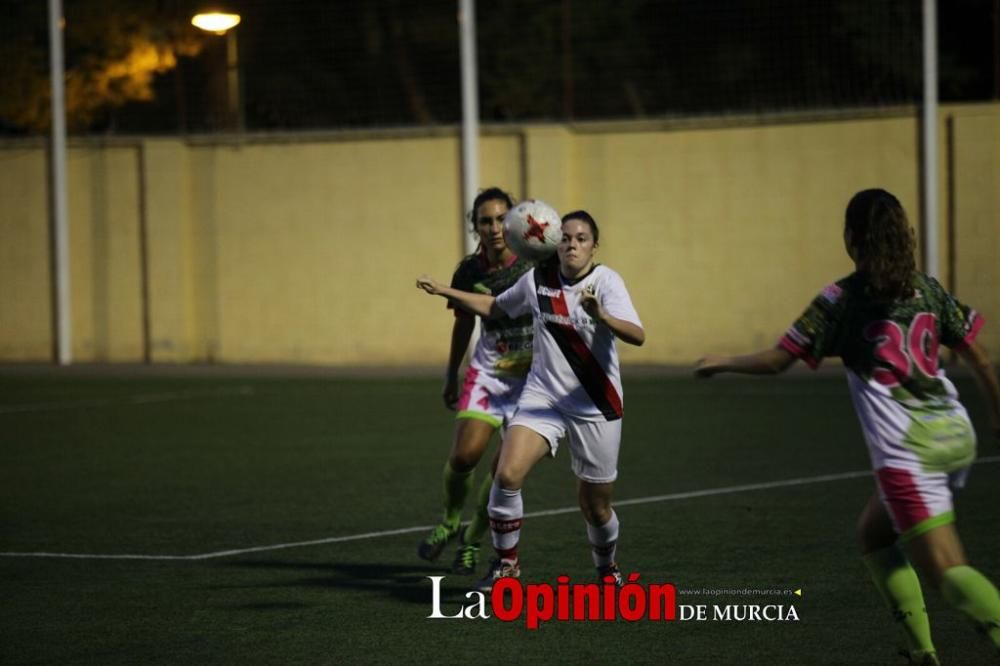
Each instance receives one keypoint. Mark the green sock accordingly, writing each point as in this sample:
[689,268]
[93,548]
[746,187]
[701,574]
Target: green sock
[972,593]
[456,488]
[480,519]
[900,588]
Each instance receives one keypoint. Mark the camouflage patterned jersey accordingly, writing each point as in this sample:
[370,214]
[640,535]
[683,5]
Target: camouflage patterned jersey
[504,346]
[909,410]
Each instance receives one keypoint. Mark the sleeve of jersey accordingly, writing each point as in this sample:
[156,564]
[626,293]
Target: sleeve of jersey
[960,324]
[811,337]
[616,299]
[516,301]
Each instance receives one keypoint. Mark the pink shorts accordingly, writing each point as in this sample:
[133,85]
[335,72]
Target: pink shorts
[488,398]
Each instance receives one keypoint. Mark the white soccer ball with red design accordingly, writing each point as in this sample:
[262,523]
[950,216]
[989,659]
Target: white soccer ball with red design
[532,229]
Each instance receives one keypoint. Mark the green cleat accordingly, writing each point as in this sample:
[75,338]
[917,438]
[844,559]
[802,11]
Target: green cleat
[430,548]
[466,559]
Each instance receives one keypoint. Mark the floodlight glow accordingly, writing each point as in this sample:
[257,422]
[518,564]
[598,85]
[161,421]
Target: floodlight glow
[216,22]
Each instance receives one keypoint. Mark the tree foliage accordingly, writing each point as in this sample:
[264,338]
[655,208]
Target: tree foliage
[113,50]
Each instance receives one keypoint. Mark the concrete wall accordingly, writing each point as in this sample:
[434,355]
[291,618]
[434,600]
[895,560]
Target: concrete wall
[304,249]
[25,281]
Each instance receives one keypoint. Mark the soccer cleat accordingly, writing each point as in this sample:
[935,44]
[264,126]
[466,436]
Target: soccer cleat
[613,571]
[498,569]
[430,548]
[920,657]
[466,559]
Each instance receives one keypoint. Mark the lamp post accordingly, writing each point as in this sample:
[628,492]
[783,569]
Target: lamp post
[224,24]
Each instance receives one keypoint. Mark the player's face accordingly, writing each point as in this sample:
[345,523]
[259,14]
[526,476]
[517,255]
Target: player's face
[489,224]
[576,249]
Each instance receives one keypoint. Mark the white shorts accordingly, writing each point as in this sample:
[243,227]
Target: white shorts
[918,501]
[593,445]
[487,398]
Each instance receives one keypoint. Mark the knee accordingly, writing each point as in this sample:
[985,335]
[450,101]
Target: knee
[598,516]
[508,479]
[466,451]
[595,511]
[463,461]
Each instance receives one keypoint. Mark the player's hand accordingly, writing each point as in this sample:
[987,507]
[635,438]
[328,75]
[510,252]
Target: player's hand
[429,284]
[450,393]
[708,366]
[590,304]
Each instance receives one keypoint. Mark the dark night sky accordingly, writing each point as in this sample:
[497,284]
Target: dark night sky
[308,64]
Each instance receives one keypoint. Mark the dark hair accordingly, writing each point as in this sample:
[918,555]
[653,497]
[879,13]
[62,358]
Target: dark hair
[489,194]
[882,242]
[584,216]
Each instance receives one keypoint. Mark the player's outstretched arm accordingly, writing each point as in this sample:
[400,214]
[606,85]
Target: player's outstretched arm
[480,304]
[977,359]
[766,362]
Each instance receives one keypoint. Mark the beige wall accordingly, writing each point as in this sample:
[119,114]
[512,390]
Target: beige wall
[976,270]
[737,229]
[305,251]
[25,329]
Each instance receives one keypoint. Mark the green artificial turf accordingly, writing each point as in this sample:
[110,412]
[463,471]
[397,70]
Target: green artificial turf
[172,466]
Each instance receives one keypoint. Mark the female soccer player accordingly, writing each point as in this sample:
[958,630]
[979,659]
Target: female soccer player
[493,381]
[886,321]
[574,388]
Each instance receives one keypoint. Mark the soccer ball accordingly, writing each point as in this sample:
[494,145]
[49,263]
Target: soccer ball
[532,230]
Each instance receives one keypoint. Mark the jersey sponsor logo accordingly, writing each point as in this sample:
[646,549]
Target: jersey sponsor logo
[548,291]
[509,346]
[563,320]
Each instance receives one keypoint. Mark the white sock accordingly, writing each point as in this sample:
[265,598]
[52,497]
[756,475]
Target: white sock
[506,510]
[604,541]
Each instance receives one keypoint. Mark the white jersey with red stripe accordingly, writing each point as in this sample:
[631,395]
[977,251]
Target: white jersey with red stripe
[574,367]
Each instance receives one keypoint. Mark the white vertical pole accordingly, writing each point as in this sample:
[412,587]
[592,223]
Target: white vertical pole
[234,96]
[470,114]
[58,186]
[930,140]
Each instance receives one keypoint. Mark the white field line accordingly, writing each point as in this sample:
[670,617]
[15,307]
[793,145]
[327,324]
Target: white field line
[139,399]
[710,492]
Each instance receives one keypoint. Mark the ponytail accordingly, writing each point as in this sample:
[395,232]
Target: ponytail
[883,244]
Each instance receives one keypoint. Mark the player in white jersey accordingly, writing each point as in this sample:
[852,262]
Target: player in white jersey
[573,388]
[886,321]
[498,365]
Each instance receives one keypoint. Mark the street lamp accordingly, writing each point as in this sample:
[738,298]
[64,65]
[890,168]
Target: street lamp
[222,23]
